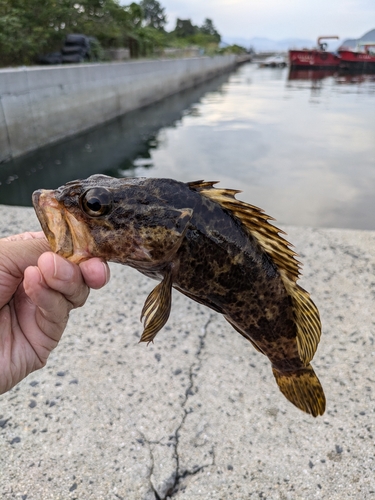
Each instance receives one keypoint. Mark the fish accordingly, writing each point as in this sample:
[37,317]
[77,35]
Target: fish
[202,241]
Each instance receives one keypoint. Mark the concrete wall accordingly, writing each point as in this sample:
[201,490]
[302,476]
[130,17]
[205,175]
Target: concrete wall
[39,105]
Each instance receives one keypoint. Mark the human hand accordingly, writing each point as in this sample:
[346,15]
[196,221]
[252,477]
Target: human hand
[38,289]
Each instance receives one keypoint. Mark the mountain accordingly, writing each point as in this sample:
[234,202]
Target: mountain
[368,37]
[353,42]
[260,44]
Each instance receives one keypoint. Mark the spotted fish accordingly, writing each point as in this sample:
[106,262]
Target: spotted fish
[202,241]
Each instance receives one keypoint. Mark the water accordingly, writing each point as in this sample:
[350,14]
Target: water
[301,146]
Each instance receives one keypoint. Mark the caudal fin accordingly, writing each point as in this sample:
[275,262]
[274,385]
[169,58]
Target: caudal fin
[303,389]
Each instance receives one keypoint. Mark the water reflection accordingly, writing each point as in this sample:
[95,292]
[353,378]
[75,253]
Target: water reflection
[300,145]
[313,75]
[117,148]
[315,78]
[303,154]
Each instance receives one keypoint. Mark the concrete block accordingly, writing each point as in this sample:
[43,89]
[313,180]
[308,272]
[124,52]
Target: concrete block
[20,123]
[13,81]
[5,151]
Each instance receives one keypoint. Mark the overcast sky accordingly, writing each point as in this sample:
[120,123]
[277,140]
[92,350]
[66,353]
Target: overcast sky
[277,19]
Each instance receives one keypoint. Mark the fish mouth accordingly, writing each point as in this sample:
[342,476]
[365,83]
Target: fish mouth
[64,233]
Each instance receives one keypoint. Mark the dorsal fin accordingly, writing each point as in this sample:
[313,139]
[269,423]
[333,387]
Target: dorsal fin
[255,221]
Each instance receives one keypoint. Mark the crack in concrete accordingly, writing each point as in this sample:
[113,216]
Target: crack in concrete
[157,497]
[178,474]
[196,365]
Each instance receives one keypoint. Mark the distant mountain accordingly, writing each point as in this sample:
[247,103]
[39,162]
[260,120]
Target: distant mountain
[260,44]
[367,37]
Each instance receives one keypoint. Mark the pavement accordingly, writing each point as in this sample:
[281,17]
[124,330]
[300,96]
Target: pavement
[198,414]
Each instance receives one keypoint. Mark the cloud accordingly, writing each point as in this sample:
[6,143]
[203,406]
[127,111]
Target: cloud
[277,20]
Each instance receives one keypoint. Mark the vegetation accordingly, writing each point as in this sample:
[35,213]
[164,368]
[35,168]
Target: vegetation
[234,49]
[30,28]
[185,33]
[153,14]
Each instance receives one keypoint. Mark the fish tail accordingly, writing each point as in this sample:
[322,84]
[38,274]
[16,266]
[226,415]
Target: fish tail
[303,389]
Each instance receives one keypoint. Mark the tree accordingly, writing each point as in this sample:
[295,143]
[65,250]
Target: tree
[29,28]
[208,28]
[184,28]
[153,14]
[135,13]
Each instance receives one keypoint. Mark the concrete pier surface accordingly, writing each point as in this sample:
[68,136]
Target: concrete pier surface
[198,414]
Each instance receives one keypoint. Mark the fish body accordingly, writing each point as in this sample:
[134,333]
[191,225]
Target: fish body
[202,241]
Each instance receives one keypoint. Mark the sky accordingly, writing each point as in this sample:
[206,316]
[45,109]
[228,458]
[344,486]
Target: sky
[277,19]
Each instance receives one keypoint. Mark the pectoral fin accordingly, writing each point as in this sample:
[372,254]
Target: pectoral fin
[157,308]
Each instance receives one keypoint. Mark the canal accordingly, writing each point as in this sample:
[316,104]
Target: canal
[300,145]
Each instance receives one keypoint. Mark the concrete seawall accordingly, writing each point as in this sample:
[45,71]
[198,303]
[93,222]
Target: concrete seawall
[39,105]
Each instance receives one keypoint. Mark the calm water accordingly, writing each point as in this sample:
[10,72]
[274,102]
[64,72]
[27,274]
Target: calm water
[301,146]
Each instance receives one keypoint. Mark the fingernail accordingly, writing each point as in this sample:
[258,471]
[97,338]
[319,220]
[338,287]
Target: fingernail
[64,270]
[107,273]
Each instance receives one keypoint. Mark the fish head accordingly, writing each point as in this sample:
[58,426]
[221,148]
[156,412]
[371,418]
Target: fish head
[126,220]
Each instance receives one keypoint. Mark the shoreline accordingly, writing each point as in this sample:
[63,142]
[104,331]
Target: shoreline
[44,104]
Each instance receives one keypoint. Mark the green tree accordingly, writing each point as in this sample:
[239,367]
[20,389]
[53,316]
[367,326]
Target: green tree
[185,28]
[208,28]
[135,13]
[153,14]
[234,49]
[29,28]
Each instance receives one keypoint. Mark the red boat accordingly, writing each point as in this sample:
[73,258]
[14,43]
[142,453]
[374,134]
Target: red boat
[363,58]
[314,58]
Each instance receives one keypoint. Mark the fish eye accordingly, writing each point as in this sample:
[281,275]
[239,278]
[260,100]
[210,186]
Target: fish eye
[96,202]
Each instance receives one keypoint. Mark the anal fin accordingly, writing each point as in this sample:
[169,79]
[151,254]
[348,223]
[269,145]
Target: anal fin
[157,308]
